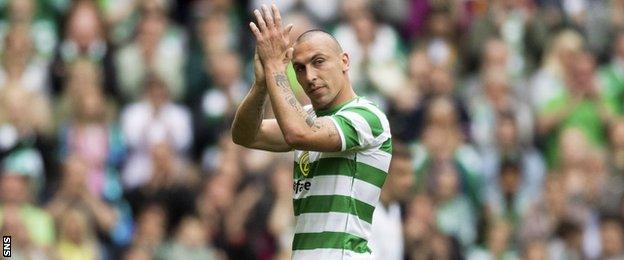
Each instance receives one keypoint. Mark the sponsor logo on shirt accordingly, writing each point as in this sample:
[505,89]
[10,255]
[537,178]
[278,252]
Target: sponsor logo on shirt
[300,186]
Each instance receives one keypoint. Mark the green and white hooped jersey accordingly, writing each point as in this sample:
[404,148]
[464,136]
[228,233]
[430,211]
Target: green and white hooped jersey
[335,193]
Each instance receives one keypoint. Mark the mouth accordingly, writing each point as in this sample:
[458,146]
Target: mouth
[315,90]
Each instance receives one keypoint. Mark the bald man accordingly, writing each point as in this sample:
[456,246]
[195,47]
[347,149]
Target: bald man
[341,142]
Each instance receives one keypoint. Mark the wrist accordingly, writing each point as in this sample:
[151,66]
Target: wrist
[274,67]
[259,84]
[259,88]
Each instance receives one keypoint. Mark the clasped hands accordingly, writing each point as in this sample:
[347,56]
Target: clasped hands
[273,45]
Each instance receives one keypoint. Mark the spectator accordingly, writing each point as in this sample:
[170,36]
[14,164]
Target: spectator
[137,253]
[497,98]
[217,103]
[156,49]
[21,66]
[613,188]
[442,146]
[387,242]
[406,105]
[42,28]
[535,250]
[549,80]
[92,135]
[523,160]
[169,184]
[76,240]
[568,242]
[494,57]
[23,243]
[576,105]
[191,241]
[374,54]
[545,214]
[84,37]
[324,12]
[442,86]
[506,201]
[25,135]
[451,204]
[151,229]
[509,19]
[611,78]
[153,120]
[73,194]
[422,238]
[497,243]
[612,237]
[34,227]
[281,220]
[213,35]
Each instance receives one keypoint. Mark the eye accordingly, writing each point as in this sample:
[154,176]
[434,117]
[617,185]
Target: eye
[299,68]
[319,61]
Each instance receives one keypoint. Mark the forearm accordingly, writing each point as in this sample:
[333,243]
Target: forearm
[249,116]
[292,118]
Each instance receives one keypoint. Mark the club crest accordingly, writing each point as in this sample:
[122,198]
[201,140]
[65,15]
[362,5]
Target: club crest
[304,163]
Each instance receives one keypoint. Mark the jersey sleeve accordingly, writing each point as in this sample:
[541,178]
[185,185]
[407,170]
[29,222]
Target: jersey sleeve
[361,128]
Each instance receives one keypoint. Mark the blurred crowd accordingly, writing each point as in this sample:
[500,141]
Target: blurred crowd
[507,120]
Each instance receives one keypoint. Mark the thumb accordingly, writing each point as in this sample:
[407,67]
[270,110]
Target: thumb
[289,53]
[287,30]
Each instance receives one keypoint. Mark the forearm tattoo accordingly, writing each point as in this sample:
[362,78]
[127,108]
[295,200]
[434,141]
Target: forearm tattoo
[282,82]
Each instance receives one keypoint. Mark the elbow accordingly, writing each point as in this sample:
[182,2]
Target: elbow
[239,140]
[295,139]
[239,137]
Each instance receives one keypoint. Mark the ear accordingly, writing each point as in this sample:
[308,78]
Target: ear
[345,62]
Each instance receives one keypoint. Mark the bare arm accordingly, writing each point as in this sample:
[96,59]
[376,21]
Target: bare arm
[249,129]
[300,130]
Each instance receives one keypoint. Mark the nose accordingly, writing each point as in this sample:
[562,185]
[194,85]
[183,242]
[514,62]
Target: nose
[311,74]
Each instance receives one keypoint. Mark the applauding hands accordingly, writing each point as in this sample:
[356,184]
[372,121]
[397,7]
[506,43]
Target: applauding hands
[273,43]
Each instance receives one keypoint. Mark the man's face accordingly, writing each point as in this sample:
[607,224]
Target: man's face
[320,69]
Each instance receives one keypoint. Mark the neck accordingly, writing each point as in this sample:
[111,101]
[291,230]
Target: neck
[346,93]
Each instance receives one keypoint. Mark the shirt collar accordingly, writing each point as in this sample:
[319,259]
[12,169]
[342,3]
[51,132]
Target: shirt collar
[333,110]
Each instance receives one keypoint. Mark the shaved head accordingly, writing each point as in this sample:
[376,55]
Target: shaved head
[321,67]
[320,36]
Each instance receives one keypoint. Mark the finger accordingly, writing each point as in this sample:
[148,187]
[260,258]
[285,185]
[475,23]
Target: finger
[254,30]
[287,30]
[277,17]
[256,55]
[261,23]
[267,17]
